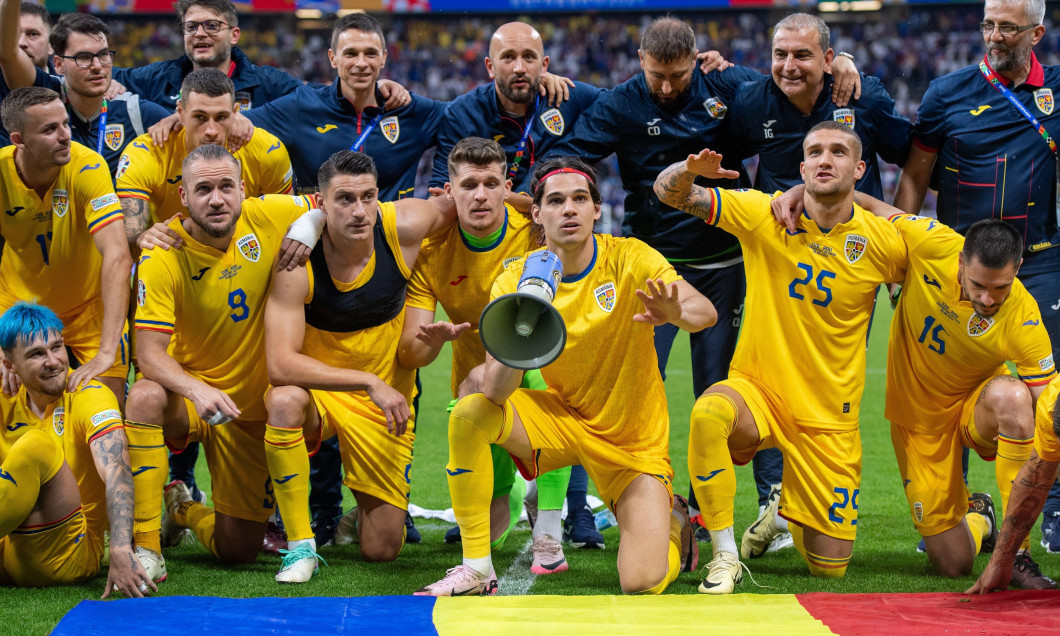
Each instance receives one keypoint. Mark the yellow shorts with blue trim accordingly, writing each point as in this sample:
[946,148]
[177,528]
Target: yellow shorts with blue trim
[58,553]
[376,462]
[560,438]
[235,455]
[822,467]
[931,468]
[82,335]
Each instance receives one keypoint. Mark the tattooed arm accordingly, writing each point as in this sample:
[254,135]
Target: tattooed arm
[111,455]
[1029,490]
[676,186]
[137,218]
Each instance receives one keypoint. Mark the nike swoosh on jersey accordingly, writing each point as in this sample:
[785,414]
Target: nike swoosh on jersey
[6,475]
[200,274]
[1031,323]
[712,474]
[931,281]
[88,168]
[979,111]
[142,469]
[458,471]
[324,129]
[285,478]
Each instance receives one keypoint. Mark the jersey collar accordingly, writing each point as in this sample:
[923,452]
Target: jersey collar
[1035,78]
[585,272]
[345,105]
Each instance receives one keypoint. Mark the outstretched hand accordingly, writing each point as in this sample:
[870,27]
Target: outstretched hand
[662,303]
[708,164]
[440,332]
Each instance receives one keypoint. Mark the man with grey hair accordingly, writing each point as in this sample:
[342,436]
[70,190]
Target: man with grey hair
[990,129]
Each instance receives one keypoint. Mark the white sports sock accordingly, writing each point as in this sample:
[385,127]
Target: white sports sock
[724,541]
[549,522]
[293,545]
[482,566]
[781,522]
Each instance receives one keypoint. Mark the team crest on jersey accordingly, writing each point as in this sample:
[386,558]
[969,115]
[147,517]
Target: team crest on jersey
[844,116]
[244,101]
[716,108]
[249,247]
[113,135]
[553,121]
[605,296]
[391,128]
[141,293]
[60,202]
[59,420]
[918,511]
[854,248]
[978,325]
[1044,98]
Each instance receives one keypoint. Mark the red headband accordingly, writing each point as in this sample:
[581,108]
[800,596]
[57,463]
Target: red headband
[566,170]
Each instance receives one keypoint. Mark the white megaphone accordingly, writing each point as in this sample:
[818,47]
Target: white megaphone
[523,330]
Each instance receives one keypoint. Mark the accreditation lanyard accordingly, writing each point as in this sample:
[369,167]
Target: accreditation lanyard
[102,131]
[996,82]
[356,147]
[520,150]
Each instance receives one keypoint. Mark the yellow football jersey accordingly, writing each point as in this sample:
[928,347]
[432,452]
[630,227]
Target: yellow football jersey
[75,420]
[452,272]
[810,296]
[372,350]
[941,349]
[1045,442]
[608,373]
[152,173]
[213,303]
[49,255]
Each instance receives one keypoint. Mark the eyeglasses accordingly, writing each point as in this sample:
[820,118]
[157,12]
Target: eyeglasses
[1004,29]
[84,59]
[210,26]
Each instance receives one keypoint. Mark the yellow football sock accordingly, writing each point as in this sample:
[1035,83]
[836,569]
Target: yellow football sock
[200,519]
[827,567]
[980,527]
[474,424]
[1012,454]
[149,461]
[285,452]
[32,461]
[709,463]
[673,559]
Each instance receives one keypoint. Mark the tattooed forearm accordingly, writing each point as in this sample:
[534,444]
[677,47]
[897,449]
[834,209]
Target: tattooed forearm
[137,217]
[675,186]
[111,454]
[1029,491]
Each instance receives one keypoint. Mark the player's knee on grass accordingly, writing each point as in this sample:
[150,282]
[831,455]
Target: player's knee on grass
[382,531]
[287,406]
[237,541]
[645,578]
[952,553]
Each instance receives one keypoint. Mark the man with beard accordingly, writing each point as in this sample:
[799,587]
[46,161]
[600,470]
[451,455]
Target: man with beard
[989,128]
[799,369]
[84,61]
[65,474]
[65,245]
[149,175]
[511,110]
[200,344]
[211,31]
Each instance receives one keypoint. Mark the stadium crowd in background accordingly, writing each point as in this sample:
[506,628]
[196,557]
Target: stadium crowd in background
[255,304]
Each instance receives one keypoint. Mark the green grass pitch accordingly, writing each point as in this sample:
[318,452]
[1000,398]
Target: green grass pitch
[884,558]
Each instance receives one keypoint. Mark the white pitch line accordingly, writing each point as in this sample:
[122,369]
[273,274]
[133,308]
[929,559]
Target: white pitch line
[518,580]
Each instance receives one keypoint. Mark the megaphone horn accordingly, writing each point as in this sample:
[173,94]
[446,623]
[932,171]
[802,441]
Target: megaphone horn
[523,330]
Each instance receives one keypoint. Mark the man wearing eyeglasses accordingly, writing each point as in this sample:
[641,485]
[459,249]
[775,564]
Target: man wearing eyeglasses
[988,127]
[84,62]
[211,31]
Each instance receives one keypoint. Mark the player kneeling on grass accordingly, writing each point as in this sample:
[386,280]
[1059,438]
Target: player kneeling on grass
[1029,490]
[332,331]
[796,379]
[64,476]
[605,407]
